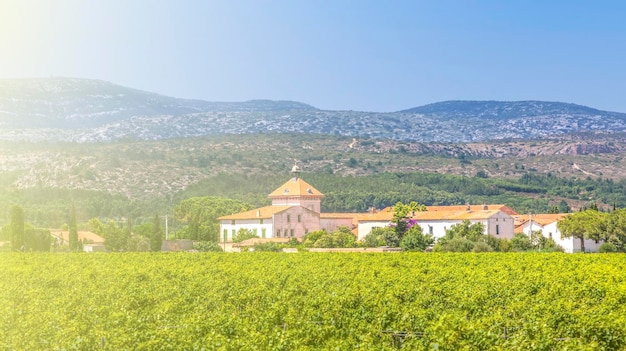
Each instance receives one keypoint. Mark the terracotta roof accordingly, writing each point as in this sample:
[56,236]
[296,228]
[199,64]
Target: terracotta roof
[82,235]
[454,215]
[504,208]
[432,215]
[540,218]
[296,187]
[340,215]
[258,213]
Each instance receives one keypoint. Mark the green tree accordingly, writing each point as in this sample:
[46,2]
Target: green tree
[73,236]
[36,239]
[473,232]
[375,238]
[244,234]
[401,216]
[616,228]
[96,226]
[521,242]
[17,229]
[416,240]
[156,237]
[115,238]
[200,215]
[588,224]
[311,237]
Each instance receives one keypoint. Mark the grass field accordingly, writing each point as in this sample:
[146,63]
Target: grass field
[307,301]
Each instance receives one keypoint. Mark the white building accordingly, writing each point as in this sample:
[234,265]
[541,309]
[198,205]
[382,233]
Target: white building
[436,220]
[548,225]
[295,211]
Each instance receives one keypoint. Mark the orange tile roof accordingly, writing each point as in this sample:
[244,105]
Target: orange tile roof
[83,235]
[454,215]
[432,215]
[504,208]
[296,187]
[258,213]
[540,218]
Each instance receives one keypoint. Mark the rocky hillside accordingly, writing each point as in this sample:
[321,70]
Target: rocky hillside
[81,110]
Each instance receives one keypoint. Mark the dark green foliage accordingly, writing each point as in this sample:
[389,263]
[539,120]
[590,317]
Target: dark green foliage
[521,242]
[269,247]
[244,234]
[200,216]
[607,248]
[73,237]
[207,246]
[482,246]
[375,238]
[17,229]
[37,239]
[415,240]
[458,244]
[340,238]
[116,238]
[156,236]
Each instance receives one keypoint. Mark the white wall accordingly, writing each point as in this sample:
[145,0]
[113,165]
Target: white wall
[250,224]
[571,245]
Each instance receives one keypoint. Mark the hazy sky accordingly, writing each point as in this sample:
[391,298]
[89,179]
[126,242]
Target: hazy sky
[352,55]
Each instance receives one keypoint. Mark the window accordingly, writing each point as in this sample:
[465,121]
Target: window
[550,235]
[430,229]
[291,233]
[306,231]
[233,233]
[225,234]
[255,232]
[278,233]
[497,229]
[288,218]
[263,231]
[261,221]
[299,219]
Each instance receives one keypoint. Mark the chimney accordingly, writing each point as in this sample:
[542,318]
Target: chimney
[258,213]
[485,207]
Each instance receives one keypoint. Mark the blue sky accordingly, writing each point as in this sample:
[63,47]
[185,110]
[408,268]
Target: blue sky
[340,54]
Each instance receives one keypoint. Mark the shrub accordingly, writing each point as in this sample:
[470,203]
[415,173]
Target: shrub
[457,245]
[482,247]
[521,242]
[607,248]
[207,246]
[415,240]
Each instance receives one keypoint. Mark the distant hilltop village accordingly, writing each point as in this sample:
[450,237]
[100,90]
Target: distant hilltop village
[296,211]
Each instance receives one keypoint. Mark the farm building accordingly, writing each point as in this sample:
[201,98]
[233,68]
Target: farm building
[296,210]
[547,224]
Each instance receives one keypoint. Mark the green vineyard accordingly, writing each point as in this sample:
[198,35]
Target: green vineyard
[307,301]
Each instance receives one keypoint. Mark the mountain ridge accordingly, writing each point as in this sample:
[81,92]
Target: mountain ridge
[87,110]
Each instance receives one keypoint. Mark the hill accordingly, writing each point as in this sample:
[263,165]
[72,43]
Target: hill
[82,110]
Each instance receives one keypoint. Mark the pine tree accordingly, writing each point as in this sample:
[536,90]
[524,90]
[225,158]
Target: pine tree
[73,237]
[17,228]
[156,239]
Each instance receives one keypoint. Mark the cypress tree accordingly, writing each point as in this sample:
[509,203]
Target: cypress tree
[17,228]
[156,239]
[73,237]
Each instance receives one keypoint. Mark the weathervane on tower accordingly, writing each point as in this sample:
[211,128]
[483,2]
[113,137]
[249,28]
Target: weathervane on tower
[295,170]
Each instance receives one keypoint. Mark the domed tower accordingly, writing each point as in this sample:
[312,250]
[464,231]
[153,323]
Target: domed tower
[297,192]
